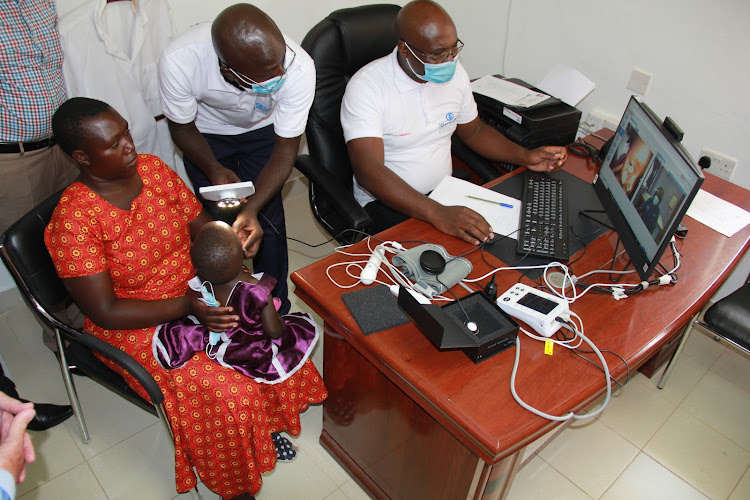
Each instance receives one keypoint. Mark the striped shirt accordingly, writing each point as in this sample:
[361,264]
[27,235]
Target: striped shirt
[31,82]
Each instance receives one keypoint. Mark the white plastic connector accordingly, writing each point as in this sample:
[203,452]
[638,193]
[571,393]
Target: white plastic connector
[665,280]
[370,271]
[418,296]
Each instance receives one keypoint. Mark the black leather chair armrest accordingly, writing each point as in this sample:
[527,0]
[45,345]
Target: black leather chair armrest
[483,167]
[338,195]
[123,359]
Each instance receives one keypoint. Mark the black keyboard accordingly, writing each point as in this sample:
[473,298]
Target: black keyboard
[544,218]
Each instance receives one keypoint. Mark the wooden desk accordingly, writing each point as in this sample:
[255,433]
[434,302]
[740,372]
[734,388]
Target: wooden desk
[410,422]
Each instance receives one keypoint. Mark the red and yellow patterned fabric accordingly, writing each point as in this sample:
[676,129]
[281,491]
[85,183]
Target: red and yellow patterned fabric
[222,420]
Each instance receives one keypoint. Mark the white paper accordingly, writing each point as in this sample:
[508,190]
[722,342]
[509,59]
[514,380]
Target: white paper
[567,84]
[502,219]
[507,92]
[718,214]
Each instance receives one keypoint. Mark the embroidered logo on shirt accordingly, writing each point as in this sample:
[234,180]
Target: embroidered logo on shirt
[261,107]
[449,119]
[397,135]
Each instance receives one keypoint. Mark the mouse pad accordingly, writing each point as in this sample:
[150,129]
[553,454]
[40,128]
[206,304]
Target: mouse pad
[580,195]
[374,309]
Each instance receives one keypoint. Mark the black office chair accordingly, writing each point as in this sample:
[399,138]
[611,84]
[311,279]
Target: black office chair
[23,251]
[340,45]
[727,319]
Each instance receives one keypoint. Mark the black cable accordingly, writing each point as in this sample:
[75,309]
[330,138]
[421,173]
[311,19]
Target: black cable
[335,237]
[561,336]
[319,244]
[437,277]
[584,149]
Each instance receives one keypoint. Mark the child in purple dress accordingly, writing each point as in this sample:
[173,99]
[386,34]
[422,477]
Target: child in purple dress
[265,346]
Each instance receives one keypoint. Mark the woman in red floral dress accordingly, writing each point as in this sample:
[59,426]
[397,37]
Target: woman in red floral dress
[120,240]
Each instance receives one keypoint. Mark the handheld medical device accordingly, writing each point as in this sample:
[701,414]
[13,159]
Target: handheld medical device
[536,308]
[228,195]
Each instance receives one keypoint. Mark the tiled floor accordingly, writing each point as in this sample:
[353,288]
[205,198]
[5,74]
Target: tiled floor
[690,440]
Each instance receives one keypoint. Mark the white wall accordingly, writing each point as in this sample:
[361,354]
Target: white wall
[695,50]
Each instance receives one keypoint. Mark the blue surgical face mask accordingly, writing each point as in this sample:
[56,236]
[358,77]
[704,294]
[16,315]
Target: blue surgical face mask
[435,73]
[439,73]
[269,86]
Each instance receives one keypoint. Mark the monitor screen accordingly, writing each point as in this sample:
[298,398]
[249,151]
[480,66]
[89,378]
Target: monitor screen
[646,183]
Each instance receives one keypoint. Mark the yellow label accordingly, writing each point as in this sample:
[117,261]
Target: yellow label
[548,344]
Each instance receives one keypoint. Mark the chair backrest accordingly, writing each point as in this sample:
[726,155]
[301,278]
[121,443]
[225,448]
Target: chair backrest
[340,45]
[24,253]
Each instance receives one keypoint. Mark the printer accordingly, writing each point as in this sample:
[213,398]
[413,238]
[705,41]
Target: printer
[548,123]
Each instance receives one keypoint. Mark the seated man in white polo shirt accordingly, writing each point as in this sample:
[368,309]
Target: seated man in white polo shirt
[398,115]
[237,93]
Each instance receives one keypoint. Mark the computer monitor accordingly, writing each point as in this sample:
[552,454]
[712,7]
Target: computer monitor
[646,184]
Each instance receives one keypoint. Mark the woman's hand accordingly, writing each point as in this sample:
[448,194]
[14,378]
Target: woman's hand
[216,319]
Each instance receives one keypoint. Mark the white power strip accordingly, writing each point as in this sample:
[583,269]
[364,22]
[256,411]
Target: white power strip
[537,309]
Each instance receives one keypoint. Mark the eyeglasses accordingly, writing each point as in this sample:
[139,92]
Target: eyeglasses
[440,58]
[249,82]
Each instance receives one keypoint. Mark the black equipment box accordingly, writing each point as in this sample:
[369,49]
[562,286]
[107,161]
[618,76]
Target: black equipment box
[446,329]
[549,123]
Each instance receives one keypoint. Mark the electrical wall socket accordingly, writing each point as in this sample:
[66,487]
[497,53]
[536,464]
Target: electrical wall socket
[721,165]
[597,119]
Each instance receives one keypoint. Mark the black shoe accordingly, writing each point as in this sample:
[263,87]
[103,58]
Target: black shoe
[48,415]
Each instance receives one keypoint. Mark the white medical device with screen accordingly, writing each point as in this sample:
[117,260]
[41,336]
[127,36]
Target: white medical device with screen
[537,309]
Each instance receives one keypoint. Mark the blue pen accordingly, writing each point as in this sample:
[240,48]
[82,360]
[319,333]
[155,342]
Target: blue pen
[506,205]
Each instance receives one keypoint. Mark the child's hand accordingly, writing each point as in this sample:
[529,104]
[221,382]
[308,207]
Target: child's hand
[273,325]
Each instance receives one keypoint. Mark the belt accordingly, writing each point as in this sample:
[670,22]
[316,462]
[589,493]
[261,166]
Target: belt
[21,147]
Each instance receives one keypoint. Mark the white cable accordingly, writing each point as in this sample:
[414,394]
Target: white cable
[569,415]
[564,343]
[514,268]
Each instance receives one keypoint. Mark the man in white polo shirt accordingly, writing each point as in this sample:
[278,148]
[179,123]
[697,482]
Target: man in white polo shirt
[398,115]
[237,93]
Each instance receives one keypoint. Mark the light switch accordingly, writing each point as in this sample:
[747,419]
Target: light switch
[639,81]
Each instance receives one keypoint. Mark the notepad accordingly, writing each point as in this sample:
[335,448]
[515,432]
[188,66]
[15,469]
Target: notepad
[500,211]
[718,214]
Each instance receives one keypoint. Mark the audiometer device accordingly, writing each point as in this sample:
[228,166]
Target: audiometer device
[536,308]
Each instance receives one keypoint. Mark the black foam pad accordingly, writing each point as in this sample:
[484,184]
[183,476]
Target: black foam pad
[374,309]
